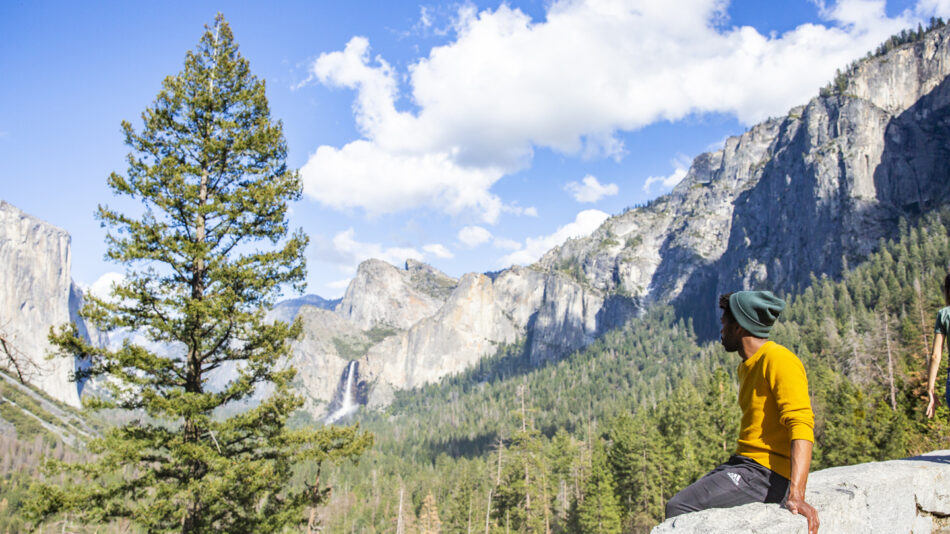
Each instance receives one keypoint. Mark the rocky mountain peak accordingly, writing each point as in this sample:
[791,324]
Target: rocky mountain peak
[386,296]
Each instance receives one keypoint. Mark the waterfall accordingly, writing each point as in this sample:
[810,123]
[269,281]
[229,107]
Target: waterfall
[348,403]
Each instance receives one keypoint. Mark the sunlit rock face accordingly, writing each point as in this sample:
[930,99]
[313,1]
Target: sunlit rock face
[386,296]
[807,193]
[473,317]
[36,292]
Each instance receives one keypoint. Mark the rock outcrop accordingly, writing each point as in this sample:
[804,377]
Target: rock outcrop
[328,343]
[384,295]
[36,292]
[910,495]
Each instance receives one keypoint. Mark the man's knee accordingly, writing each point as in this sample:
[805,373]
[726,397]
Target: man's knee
[679,505]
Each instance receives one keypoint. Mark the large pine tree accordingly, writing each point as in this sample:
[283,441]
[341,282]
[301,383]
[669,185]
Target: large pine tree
[206,255]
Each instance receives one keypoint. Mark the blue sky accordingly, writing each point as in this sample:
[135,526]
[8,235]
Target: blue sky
[467,135]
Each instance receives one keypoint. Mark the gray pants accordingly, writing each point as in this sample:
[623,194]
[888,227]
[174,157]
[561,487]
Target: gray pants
[739,481]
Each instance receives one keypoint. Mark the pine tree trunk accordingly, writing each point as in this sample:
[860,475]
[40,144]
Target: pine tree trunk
[400,529]
[890,363]
[920,311]
[488,511]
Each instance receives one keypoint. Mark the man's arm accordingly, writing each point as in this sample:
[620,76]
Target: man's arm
[935,355]
[801,463]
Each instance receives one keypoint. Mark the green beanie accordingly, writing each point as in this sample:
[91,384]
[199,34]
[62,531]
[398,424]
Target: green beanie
[756,311]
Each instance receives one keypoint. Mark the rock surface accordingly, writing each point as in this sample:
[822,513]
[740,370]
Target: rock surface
[328,343]
[36,292]
[908,496]
[476,316]
[383,295]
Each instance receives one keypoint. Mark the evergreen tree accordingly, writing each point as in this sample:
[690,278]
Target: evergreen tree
[562,459]
[600,511]
[523,500]
[429,522]
[209,168]
[635,457]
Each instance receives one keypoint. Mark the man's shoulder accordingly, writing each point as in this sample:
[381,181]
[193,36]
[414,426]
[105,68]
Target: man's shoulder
[779,354]
[943,321]
[774,349]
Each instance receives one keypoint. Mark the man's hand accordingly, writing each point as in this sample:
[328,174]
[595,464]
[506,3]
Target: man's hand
[797,505]
[801,463]
[931,404]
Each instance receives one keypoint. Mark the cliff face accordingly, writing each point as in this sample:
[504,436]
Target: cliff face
[909,495]
[381,295]
[36,292]
[792,196]
[473,317]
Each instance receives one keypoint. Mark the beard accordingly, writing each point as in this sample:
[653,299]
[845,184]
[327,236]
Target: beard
[731,345]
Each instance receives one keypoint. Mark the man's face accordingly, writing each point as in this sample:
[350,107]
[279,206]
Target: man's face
[729,334]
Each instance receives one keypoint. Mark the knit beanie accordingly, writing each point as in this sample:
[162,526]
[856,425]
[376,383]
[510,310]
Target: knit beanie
[756,311]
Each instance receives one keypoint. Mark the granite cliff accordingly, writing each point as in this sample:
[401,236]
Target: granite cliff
[36,292]
[434,326]
[807,193]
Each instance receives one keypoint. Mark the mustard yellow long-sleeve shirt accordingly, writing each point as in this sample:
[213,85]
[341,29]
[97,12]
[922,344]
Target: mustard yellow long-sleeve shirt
[773,395]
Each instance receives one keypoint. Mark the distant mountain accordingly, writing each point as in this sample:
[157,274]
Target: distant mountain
[286,310]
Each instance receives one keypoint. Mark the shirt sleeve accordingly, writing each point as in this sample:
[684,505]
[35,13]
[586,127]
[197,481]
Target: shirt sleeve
[786,376]
[943,321]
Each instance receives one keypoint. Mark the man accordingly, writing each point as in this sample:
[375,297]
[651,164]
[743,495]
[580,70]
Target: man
[776,433]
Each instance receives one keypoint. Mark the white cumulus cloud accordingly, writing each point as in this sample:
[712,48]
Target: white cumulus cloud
[472,236]
[102,287]
[506,243]
[680,168]
[506,85]
[586,222]
[439,251]
[347,253]
[590,190]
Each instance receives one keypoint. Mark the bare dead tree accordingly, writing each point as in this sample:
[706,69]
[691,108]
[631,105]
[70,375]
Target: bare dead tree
[11,357]
[890,363]
[318,496]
